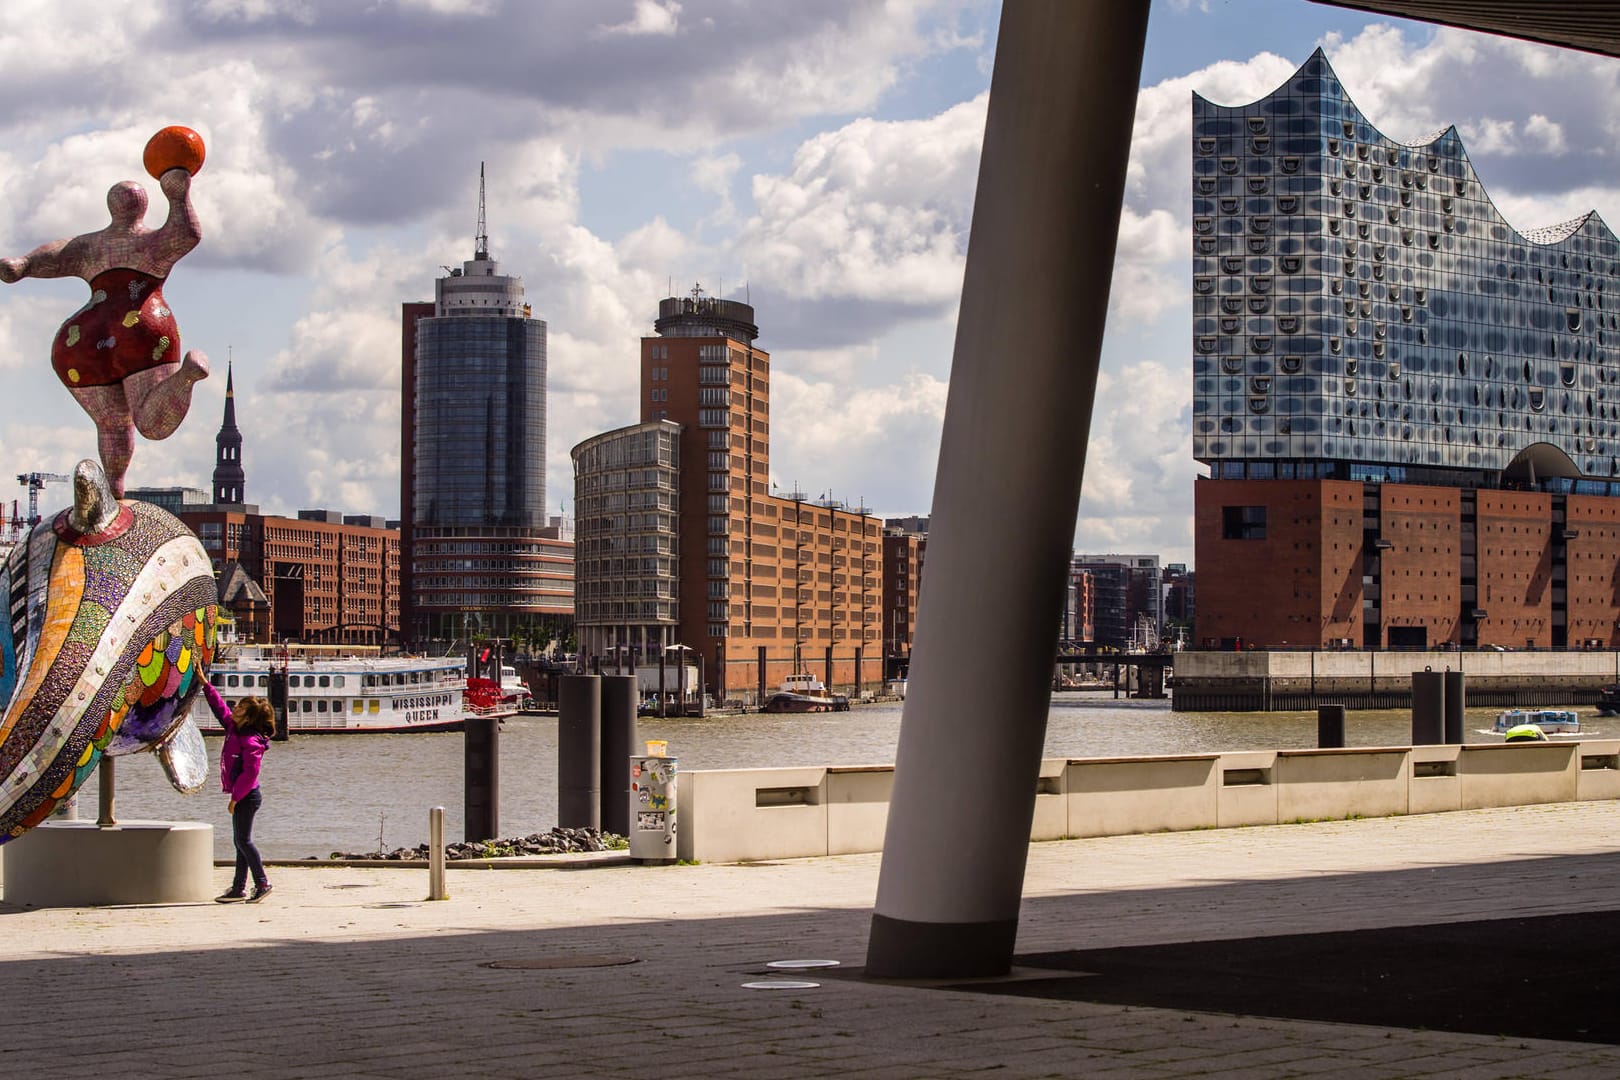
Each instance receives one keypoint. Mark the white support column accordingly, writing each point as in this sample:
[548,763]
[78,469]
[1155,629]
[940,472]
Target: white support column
[1028,340]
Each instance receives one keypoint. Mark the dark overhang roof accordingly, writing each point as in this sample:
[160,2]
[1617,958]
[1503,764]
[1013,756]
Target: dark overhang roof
[1588,25]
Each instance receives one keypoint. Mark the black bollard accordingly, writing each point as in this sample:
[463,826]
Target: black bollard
[579,752]
[1456,702]
[618,743]
[1428,708]
[276,694]
[1330,727]
[481,779]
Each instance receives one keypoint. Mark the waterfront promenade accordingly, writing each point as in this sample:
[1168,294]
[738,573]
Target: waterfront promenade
[347,972]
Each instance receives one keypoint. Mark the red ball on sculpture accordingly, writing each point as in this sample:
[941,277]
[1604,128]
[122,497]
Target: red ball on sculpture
[174,147]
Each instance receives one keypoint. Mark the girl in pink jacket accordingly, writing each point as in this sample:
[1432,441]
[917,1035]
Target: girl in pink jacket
[247,736]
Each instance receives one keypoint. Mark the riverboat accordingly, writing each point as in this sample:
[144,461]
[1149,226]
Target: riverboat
[1550,721]
[330,689]
[802,692]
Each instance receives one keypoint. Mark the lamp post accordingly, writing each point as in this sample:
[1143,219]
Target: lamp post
[680,673]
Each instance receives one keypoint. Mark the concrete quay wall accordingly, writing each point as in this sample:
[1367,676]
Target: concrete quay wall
[740,815]
[1291,681]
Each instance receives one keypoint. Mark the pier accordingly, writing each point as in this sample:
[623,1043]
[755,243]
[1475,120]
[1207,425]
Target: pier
[1300,681]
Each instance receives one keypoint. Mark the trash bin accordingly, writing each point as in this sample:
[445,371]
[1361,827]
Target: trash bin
[652,808]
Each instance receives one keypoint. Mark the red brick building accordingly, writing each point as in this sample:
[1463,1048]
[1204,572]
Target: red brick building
[1341,564]
[764,584]
[329,579]
[903,554]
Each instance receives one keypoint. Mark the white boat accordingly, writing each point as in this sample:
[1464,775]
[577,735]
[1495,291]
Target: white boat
[1550,721]
[802,692]
[337,689]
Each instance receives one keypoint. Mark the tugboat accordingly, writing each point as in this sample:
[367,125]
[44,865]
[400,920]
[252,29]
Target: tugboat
[802,692]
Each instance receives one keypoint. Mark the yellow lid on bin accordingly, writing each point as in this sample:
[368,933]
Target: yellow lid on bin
[657,747]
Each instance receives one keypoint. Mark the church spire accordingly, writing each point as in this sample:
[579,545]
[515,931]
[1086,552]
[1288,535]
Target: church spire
[229,479]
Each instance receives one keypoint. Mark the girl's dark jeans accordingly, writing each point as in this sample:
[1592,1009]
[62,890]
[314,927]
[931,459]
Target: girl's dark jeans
[247,856]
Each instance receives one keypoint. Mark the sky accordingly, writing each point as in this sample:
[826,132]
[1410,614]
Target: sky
[818,160]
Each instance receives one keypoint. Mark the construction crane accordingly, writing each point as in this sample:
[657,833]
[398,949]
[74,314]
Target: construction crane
[35,482]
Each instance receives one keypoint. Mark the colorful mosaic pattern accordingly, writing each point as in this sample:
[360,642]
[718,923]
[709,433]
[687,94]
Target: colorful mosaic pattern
[109,638]
[119,355]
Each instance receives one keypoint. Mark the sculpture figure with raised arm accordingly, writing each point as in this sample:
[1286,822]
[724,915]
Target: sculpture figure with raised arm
[119,355]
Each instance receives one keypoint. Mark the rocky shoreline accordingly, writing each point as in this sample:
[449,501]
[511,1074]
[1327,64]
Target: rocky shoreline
[559,841]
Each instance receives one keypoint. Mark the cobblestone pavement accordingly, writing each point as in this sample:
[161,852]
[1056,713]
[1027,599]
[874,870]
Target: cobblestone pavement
[349,972]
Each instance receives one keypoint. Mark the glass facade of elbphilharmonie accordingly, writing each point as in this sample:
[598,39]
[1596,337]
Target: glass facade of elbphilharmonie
[1362,311]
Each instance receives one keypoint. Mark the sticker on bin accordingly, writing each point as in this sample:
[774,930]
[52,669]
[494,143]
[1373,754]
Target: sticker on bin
[650,821]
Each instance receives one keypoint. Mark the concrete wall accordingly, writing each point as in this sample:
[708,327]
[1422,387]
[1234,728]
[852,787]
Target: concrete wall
[738,815]
[1362,665]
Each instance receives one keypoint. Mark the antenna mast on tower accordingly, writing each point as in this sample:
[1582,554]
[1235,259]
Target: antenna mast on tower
[481,244]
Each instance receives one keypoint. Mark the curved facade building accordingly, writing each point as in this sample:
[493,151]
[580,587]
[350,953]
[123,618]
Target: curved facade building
[1360,305]
[626,539]
[481,421]
[480,555]
[1410,408]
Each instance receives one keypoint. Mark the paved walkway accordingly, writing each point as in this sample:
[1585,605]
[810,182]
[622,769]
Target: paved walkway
[348,972]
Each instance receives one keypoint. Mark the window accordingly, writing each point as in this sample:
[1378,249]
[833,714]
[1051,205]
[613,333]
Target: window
[1243,522]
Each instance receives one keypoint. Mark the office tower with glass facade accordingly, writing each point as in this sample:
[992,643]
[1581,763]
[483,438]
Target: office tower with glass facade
[1408,407]
[482,558]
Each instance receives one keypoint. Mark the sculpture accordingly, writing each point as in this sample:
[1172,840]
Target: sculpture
[110,625]
[116,636]
[119,355]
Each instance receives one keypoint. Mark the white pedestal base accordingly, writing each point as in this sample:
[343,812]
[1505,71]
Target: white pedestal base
[77,864]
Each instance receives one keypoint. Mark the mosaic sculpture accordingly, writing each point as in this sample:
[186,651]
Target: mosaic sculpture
[110,628]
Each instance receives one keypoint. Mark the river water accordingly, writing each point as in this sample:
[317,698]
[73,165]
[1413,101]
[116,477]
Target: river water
[326,793]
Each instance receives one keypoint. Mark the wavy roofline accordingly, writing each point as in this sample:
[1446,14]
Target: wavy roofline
[1540,235]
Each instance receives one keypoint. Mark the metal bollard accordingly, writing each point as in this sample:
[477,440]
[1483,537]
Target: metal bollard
[618,743]
[579,751]
[108,784]
[1456,704]
[1428,705]
[436,890]
[1330,727]
[481,778]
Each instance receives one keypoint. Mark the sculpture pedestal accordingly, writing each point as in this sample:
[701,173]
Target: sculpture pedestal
[78,864]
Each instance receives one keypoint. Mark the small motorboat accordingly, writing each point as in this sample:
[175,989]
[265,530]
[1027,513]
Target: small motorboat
[1547,721]
[802,692]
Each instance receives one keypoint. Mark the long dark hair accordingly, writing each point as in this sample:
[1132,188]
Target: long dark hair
[254,716]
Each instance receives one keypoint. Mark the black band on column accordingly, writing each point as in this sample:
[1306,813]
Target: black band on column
[903,949]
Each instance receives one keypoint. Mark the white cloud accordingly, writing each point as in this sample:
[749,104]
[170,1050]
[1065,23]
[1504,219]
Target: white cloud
[877,446]
[1137,494]
[650,17]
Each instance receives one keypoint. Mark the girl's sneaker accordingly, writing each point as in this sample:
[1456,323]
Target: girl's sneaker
[259,893]
[230,896]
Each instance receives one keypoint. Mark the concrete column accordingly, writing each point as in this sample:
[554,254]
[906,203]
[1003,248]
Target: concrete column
[1028,340]
[579,751]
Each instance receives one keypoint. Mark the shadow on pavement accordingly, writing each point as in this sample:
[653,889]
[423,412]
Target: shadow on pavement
[1543,977]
